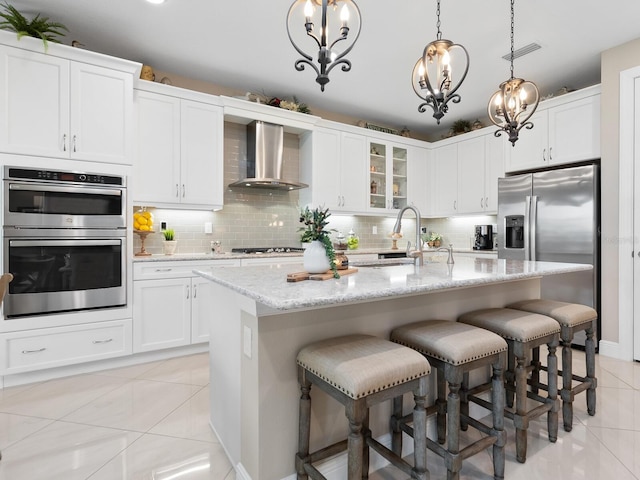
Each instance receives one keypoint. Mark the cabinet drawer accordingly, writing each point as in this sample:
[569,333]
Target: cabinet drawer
[176,269]
[53,347]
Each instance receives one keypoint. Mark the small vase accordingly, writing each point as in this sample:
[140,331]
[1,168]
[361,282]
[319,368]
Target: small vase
[315,258]
[169,246]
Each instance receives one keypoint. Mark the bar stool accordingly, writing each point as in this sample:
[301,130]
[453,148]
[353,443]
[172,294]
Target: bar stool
[572,318]
[523,332]
[455,349]
[360,371]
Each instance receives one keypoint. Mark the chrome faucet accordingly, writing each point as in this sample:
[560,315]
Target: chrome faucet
[417,252]
[450,250]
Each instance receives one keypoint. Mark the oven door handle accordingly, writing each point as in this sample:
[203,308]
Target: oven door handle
[53,188]
[62,243]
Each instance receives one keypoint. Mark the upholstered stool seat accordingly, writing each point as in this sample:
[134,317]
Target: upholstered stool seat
[523,331]
[572,318]
[360,371]
[454,349]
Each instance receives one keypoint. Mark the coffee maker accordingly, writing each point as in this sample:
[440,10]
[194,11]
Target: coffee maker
[483,237]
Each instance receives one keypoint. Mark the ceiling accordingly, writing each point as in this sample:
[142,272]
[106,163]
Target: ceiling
[243,44]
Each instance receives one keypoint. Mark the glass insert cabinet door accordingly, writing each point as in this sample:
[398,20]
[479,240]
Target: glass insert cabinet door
[387,176]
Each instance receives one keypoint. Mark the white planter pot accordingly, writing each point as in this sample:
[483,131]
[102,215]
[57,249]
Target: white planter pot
[315,258]
[169,246]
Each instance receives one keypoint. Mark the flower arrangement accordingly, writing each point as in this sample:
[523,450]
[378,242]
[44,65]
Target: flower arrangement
[294,106]
[315,228]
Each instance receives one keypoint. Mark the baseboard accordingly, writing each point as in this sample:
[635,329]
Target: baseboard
[614,350]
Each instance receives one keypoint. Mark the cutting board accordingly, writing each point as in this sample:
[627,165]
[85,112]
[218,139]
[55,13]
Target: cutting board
[299,276]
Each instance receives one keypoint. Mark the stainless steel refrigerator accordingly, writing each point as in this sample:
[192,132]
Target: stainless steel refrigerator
[554,216]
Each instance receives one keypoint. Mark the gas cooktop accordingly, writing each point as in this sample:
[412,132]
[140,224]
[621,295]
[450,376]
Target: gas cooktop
[259,250]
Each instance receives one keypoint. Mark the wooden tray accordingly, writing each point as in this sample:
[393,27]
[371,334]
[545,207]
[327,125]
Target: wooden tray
[299,276]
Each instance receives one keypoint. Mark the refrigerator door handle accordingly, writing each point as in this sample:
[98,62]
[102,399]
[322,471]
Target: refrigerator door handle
[532,226]
[527,226]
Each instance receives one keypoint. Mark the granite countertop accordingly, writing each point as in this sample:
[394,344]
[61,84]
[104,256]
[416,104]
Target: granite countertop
[268,284]
[234,256]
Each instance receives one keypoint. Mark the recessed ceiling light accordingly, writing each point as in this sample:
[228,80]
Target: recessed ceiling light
[156,2]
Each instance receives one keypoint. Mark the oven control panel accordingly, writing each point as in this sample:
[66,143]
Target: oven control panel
[13,173]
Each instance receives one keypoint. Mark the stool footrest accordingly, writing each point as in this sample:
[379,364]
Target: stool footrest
[388,455]
[328,451]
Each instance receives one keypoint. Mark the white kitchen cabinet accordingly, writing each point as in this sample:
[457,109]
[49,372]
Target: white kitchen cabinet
[179,162]
[388,169]
[445,185]
[480,164]
[418,179]
[37,349]
[566,130]
[333,164]
[171,305]
[54,107]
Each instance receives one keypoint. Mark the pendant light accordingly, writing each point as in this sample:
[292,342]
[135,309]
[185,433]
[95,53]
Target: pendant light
[341,17]
[432,76]
[511,107]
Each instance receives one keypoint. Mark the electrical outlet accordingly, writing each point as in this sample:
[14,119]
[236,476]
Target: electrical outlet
[208,227]
[423,229]
[374,230]
[163,225]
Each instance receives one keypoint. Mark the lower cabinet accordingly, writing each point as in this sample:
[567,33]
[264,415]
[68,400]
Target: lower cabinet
[42,348]
[172,306]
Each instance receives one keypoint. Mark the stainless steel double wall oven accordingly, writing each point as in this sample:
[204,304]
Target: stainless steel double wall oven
[64,241]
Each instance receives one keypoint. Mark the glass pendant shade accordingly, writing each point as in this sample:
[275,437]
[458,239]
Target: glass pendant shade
[438,74]
[511,107]
[323,32]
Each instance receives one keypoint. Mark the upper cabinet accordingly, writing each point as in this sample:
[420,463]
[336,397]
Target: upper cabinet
[179,161]
[466,175]
[333,164]
[566,129]
[55,107]
[387,176]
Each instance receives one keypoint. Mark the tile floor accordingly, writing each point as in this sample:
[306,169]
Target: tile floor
[150,421]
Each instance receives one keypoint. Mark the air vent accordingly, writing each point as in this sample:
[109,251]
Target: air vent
[521,52]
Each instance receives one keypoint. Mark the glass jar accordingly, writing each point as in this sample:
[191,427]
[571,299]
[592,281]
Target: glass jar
[143,220]
[353,241]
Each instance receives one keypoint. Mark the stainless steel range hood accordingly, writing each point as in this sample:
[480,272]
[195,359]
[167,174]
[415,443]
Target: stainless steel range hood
[265,146]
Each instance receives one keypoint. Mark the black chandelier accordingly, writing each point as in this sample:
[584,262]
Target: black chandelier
[511,107]
[432,76]
[341,16]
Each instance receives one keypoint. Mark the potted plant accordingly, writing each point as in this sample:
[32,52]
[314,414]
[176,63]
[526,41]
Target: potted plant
[170,243]
[435,239]
[38,27]
[320,255]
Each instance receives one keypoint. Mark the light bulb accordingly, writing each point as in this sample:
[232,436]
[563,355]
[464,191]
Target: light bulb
[308,11]
[421,70]
[446,59]
[523,94]
[344,15]
[498,100]
[512,103]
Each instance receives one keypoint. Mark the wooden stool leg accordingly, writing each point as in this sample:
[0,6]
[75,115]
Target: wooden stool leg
[365,449]
[535,371]
[520,418]
[453,426]
[566,394]
[420,431]
[552,370]
[356,412]
[510,379]
[441,407]
[497,400]
[464,403]
[396,433]
[590,350]
[304,427]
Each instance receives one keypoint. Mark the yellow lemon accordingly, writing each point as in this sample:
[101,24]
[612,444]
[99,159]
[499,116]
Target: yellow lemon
[146,214]
[136,226]
[142,221]
[144,228]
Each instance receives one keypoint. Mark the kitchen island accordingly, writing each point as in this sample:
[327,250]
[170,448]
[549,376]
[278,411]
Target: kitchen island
[261,321]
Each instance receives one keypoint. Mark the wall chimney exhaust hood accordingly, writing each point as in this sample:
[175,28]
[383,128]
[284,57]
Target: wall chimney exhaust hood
[265,146]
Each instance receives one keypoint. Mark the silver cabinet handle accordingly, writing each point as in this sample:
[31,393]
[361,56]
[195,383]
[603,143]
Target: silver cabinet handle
[195,291]
[486,202]
[188,289]
[177,190]
[544,154]
[97,342]
[64,142]
[550,155]
[455,204]
[27,352]
[183,190]
[343,201]
[481,203]
[163,269]
[74,143]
